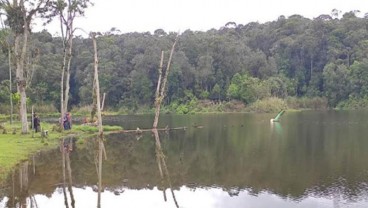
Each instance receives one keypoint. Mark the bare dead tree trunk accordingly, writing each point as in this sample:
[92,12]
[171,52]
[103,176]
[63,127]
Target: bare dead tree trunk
[101,147]
[158,98]
[67,81]
[160,90]
[97,85]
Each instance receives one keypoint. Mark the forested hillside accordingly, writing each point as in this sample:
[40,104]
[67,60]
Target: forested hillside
[293,56]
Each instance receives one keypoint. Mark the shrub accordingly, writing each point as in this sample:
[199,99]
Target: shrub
[309,103]
[182,109]
[83,110]
[354,103]
[45,108]
[268,105]
[234,106]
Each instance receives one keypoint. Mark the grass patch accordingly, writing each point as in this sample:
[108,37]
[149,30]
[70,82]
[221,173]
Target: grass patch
[92,129]
[16,147]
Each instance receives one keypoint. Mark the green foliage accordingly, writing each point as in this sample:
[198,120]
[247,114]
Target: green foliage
[17,147]
[83,110]
[307,103]
[336,83]
[247,89]
[204,95]
[16,98]
[277,87]
[359,78]
[182,109]
[45,108]
[294,56]
[216,92]
[268,105]
[354,103]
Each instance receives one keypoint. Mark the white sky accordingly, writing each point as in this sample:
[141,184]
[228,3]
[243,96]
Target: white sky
[179,15]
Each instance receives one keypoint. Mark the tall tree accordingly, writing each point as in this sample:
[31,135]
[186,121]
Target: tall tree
[67,11]
[20,14]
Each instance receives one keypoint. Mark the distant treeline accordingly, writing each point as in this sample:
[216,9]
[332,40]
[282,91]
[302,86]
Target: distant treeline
[295,56]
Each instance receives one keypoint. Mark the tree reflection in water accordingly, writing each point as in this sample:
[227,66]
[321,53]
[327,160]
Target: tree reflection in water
[293,163]
[98,163]
[161,162]
[100,152]
[20,197]
[66,147]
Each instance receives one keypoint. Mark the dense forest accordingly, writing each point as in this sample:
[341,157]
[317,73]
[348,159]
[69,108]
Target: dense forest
[296,57]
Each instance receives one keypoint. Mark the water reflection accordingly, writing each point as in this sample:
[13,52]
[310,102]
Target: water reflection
[161,163]
[20,196]
[317,160]
[66,148]
[98,162]
[276,129]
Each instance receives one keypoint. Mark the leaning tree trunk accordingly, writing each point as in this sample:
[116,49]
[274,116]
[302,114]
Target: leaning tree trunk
[158,101]
[160,90]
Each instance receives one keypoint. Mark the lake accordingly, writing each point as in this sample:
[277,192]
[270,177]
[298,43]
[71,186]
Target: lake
[308,159]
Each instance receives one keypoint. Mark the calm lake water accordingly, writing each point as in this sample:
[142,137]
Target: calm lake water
[309,159]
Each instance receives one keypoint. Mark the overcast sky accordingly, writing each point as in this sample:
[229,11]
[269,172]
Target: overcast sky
[175,15]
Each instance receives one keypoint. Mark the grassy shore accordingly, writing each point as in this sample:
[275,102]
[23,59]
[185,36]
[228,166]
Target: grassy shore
[16,147]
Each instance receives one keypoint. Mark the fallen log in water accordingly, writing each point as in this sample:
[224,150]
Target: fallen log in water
[139,131]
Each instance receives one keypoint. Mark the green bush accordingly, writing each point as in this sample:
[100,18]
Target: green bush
[83,110]
[307,103]
[45,108]
[234,106]
[268,105]
[182,109]
[353,103]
